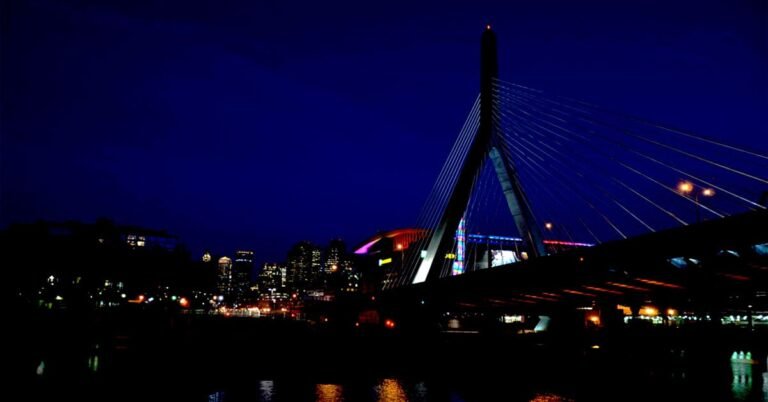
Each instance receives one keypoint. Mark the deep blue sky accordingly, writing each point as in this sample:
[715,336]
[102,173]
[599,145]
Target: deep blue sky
[238,124]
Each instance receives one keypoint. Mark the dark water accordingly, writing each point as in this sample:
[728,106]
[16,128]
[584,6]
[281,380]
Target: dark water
[541,386]
[146,359]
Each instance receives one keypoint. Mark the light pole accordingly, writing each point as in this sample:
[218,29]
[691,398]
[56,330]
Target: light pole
[549,226]
[687,188]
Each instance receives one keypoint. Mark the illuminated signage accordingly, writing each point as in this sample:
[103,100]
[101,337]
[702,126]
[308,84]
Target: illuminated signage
[458,265]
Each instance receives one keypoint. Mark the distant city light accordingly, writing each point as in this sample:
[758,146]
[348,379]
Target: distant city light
[183,302]
[649,311]
[671,312]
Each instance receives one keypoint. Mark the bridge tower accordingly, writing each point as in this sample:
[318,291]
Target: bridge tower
[483,146]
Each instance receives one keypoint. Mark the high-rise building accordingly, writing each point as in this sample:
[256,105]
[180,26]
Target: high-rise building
[272,278]
[335,255]
[224,278]
[304,268]
[340,275]
[241,276]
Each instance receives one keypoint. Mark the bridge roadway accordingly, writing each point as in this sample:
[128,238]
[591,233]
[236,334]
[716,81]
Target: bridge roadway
[712,266]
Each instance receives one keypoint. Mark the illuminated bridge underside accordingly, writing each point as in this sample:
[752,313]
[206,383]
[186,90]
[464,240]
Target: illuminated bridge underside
[703,266]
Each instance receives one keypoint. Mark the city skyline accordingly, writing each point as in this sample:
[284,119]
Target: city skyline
[253,129]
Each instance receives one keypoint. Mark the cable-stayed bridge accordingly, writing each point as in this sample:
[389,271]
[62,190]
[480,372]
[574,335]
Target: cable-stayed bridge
[547,200]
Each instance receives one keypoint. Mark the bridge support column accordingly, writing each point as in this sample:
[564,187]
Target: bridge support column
[481,148]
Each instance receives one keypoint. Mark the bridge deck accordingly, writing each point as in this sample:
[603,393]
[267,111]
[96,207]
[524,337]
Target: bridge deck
[717,266]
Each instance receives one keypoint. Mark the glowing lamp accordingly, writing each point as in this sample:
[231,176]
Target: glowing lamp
[685,187]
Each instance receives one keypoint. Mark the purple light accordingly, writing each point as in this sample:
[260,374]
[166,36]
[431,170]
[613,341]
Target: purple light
[364,249]
[568,243]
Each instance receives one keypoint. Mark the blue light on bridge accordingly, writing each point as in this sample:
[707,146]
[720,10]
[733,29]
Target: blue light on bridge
[761,249]
[458,264]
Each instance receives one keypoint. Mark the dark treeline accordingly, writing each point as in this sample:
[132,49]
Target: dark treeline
[87,254]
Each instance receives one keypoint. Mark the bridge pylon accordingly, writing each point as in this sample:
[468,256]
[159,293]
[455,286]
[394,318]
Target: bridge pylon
[484,145]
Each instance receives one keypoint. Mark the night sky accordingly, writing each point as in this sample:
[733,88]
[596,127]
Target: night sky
[237,124]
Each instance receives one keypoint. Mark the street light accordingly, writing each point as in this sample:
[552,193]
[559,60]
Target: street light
[548,225]
[687,188]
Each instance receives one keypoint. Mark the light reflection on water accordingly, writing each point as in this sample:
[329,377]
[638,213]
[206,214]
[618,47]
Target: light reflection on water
[748,382]
[744,387]
[266,390]
[742,380]
[742,384]
[548,397]
[328,393]
[390,390]
[385,390]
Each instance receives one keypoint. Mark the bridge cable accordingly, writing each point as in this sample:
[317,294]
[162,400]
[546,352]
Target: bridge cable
[647,122]
[624,146]
[445,182]
[646,156]
[637,172]
[598,187]
[534,166]
[666,146]
[612,177]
